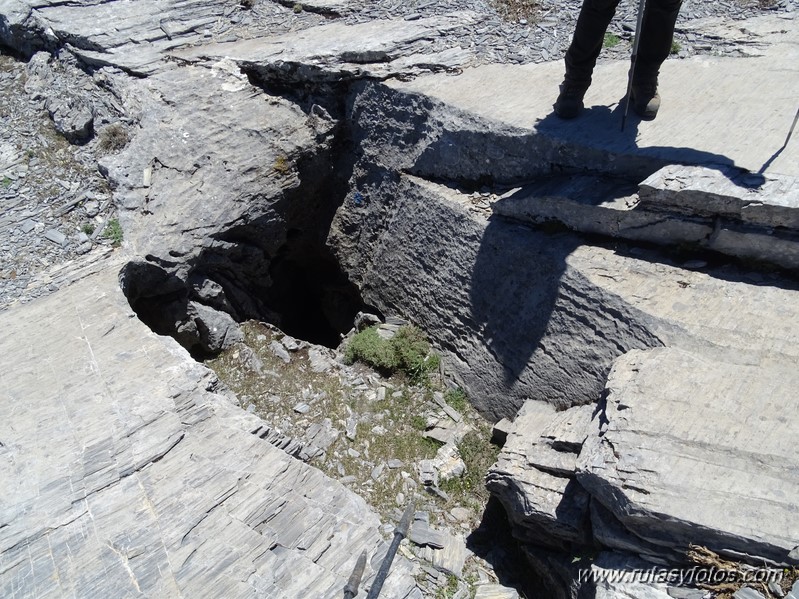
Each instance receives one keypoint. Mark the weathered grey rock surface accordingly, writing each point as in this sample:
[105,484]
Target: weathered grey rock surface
[126,474]
[674,464]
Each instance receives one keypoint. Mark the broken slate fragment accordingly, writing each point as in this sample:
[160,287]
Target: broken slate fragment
[448,432]
[448,462]
[302,408]
[451,558]
[495,591]
[280,351]
[91,208]
[56,237]
[319,360]
[461,514]
[438,397]
[321,435]
[351,427]
[428,475]
[747,593]
[681,593]
[775,589]
[423,535]
[27,225]
[290,343]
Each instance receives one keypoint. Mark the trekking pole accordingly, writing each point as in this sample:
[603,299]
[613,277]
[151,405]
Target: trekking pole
[768,162]
[636,41]
[351,589]
[400,532]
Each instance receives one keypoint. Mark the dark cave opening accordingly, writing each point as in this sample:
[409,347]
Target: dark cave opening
[301,289]
[313,297]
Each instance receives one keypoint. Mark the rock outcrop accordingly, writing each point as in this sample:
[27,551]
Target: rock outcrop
[652,394]
[125,473]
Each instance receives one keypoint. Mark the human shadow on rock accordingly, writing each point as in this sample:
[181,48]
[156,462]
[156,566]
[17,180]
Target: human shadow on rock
[552,333]
[599,127]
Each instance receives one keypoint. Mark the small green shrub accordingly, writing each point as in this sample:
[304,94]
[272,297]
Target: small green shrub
[298,8]
[457,399]
[407,352]
[413,354]
[87,228]
[113,232]
[6,182]
[675,47]
[610,40]
[368,347]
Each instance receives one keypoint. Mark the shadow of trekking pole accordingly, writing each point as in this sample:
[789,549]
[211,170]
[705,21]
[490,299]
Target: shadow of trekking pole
[774,156]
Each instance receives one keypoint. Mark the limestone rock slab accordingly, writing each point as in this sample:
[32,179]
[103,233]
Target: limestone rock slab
[771,201]
[699,123]
[124,474]
[694,458]
[133,36]
[535,485]
[340,52]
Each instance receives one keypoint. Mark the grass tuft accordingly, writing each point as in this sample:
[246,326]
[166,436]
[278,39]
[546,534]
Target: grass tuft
[408,352]
[113,138]
[611,40]
[113,232]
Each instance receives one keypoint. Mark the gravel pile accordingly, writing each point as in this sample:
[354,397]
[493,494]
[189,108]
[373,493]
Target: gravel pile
[53,202]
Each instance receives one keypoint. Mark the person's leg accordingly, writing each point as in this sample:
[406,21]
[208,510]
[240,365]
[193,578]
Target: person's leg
[657,33]
[589,33]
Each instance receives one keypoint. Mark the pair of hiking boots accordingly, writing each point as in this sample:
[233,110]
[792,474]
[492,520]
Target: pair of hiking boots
[644,99]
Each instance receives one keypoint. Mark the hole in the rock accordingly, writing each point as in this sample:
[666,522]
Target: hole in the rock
[493,541]
[315,300]
[302,290]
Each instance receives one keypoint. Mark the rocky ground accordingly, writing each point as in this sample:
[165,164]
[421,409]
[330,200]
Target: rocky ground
[57,206]
[388,440]
[55,203]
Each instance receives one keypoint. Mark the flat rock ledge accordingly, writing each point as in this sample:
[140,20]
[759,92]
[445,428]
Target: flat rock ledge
[126,475]
[681,451]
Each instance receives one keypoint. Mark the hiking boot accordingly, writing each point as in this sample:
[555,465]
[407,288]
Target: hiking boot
[570,100]
[645,99]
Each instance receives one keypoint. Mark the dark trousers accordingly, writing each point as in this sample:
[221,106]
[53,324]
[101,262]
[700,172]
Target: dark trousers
[657,32]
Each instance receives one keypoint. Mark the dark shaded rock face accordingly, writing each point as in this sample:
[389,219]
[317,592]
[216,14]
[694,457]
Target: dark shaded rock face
[500,299]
